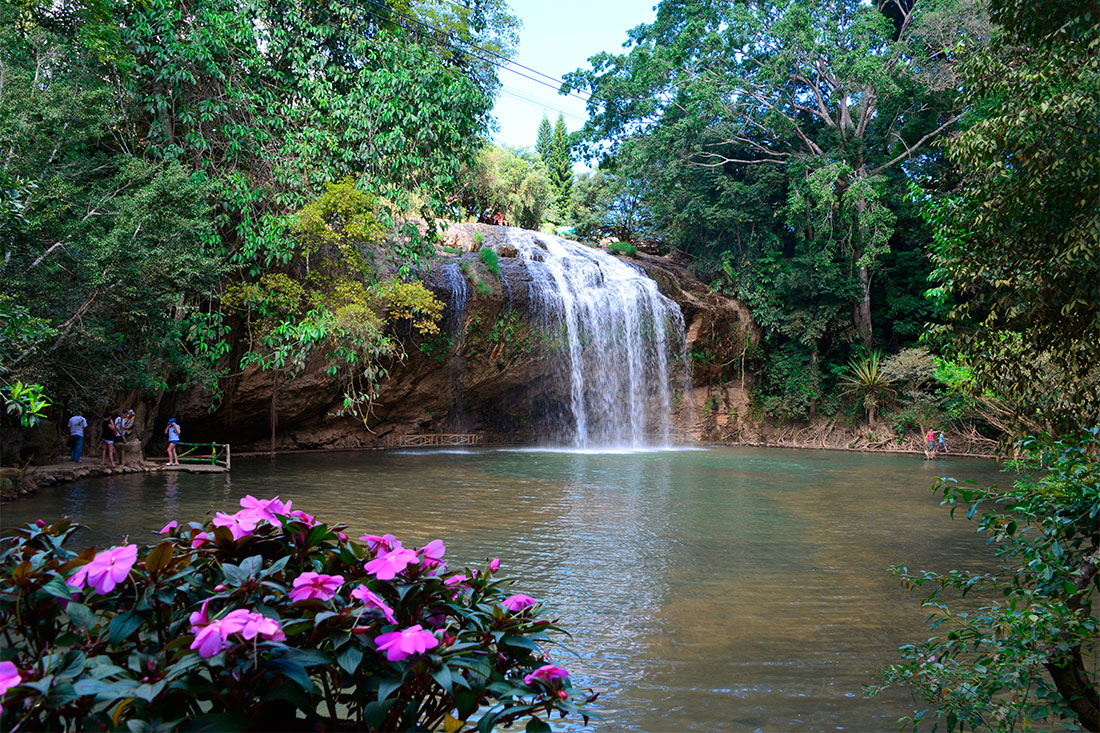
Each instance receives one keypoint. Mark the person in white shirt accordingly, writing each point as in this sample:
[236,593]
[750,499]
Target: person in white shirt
[76,436]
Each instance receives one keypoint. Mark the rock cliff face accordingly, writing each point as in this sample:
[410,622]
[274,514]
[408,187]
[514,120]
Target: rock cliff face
[495,369]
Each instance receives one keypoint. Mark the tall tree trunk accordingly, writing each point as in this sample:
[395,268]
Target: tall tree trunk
[862,308]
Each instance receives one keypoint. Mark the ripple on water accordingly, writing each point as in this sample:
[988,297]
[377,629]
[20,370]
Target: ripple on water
[721,588]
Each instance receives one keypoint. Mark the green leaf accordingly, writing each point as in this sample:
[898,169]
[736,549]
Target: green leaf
[293,671]
[216,722]
[159,557]
[387,688]
[443,677]
[58,588]
[349,658]
[537,725]
[81,615]
[123,626]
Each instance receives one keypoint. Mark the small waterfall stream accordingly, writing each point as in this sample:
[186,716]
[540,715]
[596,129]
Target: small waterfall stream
[621,340]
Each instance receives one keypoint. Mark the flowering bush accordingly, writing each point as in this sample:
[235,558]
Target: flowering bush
[265,619]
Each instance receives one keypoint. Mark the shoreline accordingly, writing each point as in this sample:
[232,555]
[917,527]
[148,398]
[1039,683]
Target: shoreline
[28,483]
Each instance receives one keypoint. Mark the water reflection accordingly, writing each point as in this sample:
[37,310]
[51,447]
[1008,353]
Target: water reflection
[726,588]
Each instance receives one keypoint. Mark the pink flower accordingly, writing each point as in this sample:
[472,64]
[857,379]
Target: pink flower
[258,624]
[385,543]
[107,569]
[307,519]
[9,678]
[399,644]
[494,565]
[518,602]
[169,527]
[211,636]
[240,524]
[264,510]
[200,539]
[547,673]
[433,553]
[389,565]
[455,579]
[364,595]
[199,619]
[315,585]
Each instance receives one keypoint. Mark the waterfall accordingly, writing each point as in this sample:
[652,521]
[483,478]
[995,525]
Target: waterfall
[618,336]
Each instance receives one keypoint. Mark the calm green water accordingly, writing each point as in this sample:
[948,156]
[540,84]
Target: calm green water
[726,588]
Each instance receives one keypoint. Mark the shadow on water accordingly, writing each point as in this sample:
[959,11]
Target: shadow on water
[722,588]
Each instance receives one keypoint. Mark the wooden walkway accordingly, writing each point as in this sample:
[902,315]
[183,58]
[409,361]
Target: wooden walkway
[433,440]
[195,468]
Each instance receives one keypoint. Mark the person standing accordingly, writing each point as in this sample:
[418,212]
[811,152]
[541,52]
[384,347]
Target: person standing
[127,424]
[173,432]
[930,441]
[941,444]
[76,436]
[108,434]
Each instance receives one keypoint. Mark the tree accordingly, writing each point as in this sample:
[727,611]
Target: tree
[506,186]
[839,96]
[1016,241]
[561,165]
[1018,657]
[544,141]
[153,155]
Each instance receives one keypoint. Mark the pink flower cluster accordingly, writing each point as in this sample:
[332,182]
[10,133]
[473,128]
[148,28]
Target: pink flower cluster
[9,678]
[107,569]
[255,512]
[213,636]
[390,557]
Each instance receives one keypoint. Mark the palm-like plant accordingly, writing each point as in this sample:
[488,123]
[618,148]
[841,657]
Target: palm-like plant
[867,378]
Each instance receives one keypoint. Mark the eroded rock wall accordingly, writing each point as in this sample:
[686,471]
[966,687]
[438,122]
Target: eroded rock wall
[495,368]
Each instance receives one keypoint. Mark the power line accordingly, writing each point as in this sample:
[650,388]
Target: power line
[575,95]
[554,79]
[542,104]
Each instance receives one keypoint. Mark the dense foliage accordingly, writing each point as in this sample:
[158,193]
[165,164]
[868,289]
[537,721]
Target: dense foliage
[1018,656]
[773,142]
[1017,240]
[155,155]
[265,619]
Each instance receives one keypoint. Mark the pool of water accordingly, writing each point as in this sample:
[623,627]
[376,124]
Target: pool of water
[725,588]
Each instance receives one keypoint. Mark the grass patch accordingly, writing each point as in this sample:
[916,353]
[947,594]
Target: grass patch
[622,248]
[490,259]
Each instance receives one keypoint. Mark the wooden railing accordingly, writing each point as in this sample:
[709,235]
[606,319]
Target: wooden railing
[214,454]
[433,440]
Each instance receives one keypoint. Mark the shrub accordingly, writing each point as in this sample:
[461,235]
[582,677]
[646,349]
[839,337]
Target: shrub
[1022,656]
[265,619]
[622,248]
[490,259]
[479,238]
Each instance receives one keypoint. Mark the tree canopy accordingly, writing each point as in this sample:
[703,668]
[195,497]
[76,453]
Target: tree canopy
[154,154]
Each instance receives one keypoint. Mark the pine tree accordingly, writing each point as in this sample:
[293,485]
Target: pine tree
[544,141]
[561,165]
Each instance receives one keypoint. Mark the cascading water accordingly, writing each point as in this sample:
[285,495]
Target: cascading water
[620,338]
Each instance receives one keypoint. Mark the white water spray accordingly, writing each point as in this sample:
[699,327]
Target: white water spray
[618,333]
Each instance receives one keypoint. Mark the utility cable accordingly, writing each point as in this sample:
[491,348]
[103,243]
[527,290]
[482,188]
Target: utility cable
[575,95]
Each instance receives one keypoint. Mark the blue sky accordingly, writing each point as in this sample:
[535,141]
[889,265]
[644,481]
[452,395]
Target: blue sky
[557,37]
